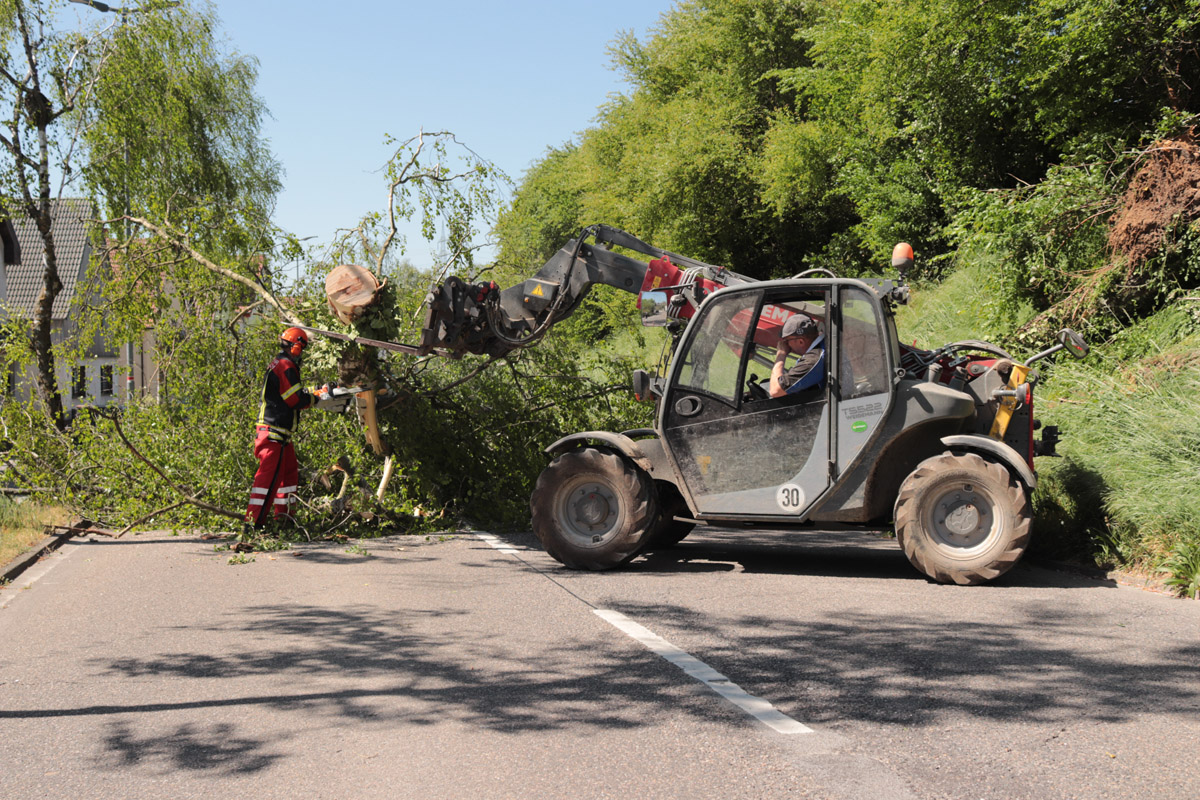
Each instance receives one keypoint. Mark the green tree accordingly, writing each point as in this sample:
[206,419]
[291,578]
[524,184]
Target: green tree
[771,135]
[677,160]
[46,75]
[172,132]
[153,115]
[924,100]
[172,138]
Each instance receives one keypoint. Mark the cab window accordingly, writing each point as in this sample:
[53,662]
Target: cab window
[864,361]
[713,360]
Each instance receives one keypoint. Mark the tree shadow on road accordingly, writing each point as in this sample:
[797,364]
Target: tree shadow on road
[914,668]
[372,667]
[385,667]
[205,748]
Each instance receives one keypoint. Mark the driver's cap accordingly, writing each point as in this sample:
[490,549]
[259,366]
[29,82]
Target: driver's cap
[798,325]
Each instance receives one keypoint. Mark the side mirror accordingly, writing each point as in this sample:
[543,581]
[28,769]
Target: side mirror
[1073,343]
[646,387]
[653,307]
[1068,340]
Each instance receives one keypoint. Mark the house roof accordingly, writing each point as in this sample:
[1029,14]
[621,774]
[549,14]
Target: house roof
[71,222]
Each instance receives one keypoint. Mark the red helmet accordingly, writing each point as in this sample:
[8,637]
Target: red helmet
[294,341]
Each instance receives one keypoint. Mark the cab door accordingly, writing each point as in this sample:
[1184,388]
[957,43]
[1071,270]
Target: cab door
[737,453]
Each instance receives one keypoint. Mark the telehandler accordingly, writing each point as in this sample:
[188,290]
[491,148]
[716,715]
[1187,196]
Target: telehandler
[939,443]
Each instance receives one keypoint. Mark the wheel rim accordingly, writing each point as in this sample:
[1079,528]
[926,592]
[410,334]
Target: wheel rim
[590,513]
[962,518]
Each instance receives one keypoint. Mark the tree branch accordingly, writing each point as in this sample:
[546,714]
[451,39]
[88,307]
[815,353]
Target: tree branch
[111,416]
[603,391]
[151,515]
[404,177]
[181,243]
[491,360]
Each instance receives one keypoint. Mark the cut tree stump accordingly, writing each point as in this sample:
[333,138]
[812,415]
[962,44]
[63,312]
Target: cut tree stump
[350,289]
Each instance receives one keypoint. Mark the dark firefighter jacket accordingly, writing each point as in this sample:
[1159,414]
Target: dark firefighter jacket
[283,398]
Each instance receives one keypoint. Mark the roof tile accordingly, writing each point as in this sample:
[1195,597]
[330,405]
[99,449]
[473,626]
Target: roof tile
[72,220]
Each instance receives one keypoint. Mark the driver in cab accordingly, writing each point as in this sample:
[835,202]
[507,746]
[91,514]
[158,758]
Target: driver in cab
[800,336]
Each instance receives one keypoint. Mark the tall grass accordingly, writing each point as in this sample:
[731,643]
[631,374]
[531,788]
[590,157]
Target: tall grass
[963,306]
[1132,443]
[22,525]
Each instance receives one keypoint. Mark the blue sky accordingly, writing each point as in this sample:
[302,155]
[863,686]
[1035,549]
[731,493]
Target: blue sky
[510,79]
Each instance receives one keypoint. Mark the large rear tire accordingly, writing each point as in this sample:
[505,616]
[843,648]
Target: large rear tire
[961,519]
[592,509]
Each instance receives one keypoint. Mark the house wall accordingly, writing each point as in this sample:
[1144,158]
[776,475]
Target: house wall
[133,365]
[139,369]
[93,394]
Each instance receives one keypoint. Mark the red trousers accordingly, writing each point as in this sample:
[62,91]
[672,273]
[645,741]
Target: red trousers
[276,479]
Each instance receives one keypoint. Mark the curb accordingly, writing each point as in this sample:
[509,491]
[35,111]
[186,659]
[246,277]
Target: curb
[47,545]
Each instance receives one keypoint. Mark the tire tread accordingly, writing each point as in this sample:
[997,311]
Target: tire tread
[912,539]
[632,482]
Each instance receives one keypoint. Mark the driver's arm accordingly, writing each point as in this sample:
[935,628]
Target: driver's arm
[773,387]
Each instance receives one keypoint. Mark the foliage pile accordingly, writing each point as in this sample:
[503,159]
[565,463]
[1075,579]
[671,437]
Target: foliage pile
[1095,246]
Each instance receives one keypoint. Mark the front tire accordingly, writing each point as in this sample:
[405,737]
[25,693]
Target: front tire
[592,509]
[961,519]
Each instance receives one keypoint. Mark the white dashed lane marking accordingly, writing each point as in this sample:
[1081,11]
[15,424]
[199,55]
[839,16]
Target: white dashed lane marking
[756,707]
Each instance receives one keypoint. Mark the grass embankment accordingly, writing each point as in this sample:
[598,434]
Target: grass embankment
[1127,491]
[22,525]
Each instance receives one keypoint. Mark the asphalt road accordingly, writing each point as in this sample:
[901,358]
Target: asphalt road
[764,666]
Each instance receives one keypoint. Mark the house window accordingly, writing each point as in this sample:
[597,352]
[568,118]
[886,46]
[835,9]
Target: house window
[106,380]
[79,382]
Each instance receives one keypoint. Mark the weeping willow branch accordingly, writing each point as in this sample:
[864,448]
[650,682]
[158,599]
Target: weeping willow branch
[182,243]
[191,498]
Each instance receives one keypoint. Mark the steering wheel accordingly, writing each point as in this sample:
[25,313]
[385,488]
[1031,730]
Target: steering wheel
[755,390]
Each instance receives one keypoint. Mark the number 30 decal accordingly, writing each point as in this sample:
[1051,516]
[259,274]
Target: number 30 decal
[790,498]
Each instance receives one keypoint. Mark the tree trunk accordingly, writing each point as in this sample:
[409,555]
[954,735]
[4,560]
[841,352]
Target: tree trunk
[350,289]
[43,325]
[43,309]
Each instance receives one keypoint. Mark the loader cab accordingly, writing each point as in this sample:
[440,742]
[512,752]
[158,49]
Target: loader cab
[738,453]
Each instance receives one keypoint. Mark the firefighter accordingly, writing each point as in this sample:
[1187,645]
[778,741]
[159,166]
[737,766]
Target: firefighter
[283,399]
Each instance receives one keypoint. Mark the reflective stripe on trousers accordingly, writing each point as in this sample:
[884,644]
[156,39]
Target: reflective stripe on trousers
[277,478]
